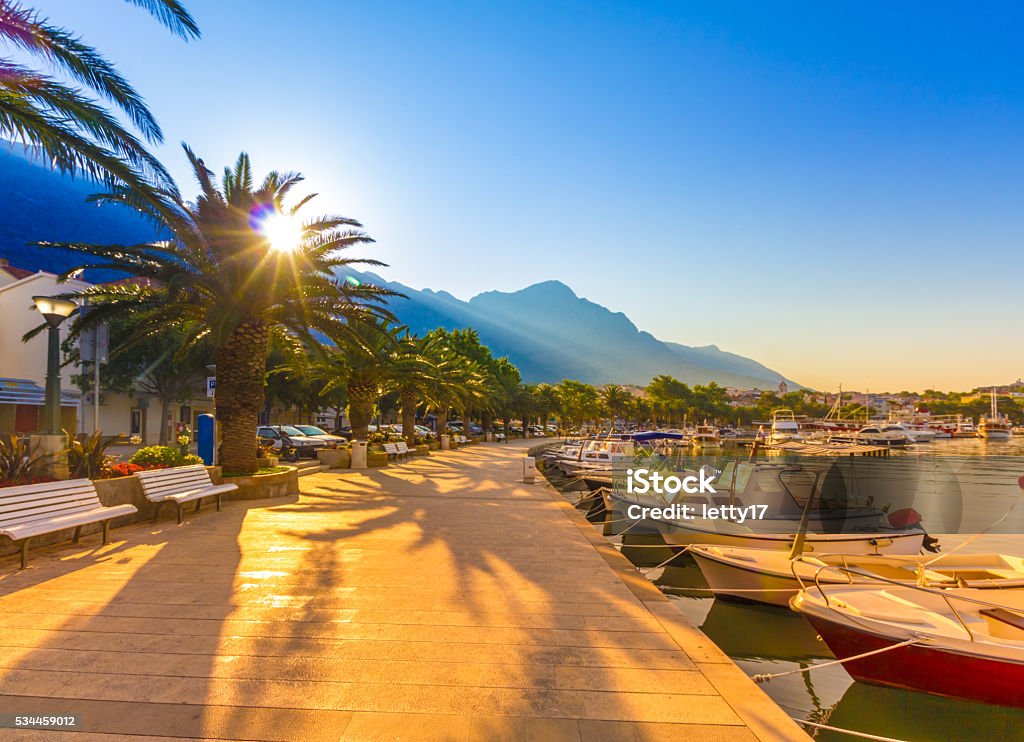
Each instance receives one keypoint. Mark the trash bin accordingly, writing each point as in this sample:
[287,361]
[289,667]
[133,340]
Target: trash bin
[359,454]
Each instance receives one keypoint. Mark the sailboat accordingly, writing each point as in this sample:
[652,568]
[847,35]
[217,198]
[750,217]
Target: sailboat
[995,427]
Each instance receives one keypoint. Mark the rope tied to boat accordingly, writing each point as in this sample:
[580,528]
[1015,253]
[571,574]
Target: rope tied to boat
[852,733]
[765,677]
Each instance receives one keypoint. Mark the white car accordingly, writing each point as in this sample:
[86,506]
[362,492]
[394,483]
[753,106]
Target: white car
[312,431]
[285,438]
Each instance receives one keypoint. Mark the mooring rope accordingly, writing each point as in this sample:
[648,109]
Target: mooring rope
[862,735]
[764,678]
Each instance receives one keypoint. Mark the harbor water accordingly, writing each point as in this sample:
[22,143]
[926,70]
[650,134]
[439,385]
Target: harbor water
[768,640]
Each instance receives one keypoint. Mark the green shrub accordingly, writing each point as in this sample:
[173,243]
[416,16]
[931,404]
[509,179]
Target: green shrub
[87,457]
[156,456]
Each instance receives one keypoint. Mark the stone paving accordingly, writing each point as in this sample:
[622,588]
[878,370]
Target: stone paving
[438,599]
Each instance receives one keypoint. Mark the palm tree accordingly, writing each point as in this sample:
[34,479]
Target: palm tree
[238,267]
[68,124]
[412,373]
[456,379]
[547,402]
[616,401]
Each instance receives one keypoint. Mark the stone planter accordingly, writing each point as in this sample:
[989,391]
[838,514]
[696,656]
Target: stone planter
[434,445]
[262,486]
[336,458]
[268,462]
[423,450]
[376,459]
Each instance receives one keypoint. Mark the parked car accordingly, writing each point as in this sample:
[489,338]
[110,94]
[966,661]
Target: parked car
[421,430]
[312,431]
[289,442]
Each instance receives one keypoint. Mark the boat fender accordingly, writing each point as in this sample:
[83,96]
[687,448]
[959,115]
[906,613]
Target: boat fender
[904,518]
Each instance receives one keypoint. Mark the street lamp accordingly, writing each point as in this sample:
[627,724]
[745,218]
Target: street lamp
[55,311]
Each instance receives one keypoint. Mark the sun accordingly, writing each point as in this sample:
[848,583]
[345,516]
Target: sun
[283,232]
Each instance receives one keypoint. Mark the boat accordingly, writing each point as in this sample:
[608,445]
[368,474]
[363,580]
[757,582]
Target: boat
[995,427]
[794,513]
[772,577]
[960,643]
[597,456]
[784,429]
[965,429]
[892,435]
[705,437]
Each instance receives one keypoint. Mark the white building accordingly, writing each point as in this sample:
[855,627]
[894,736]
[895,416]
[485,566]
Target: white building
[23,373]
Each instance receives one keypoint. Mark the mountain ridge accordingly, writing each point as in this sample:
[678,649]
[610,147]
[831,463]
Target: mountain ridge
[546,329]
[551,333]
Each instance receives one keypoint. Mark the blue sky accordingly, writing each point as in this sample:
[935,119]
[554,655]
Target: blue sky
[835,191]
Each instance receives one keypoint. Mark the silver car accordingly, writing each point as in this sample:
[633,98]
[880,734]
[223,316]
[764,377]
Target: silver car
[289,442]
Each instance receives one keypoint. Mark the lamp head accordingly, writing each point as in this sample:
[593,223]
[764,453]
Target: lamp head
[53,309]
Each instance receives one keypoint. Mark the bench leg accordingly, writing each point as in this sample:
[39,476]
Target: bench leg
[106,531]
[78,535]
[179,513]
[24,553]
[156,511]
[218,502]
[199,502]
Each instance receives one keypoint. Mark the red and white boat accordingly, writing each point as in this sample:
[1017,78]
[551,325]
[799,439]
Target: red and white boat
[966,644]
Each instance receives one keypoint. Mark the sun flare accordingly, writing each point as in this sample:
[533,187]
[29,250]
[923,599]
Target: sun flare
[283,232]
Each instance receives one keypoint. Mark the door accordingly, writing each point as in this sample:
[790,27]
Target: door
[26,418]
[138,421]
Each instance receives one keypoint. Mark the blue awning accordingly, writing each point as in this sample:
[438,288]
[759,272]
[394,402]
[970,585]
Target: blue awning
[27,392]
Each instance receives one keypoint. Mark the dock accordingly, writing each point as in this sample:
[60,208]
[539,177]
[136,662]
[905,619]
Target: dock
[437,599]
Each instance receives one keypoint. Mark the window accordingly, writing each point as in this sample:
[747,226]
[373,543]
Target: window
[185,414]
[135,427]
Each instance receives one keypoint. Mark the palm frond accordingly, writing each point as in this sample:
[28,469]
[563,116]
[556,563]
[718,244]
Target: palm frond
[171,14]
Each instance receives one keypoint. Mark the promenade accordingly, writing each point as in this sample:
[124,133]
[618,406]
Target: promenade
[438,599]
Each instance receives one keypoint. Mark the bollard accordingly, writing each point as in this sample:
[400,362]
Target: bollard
[529,469]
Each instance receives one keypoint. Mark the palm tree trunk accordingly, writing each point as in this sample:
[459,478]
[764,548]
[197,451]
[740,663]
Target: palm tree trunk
[241,371]
[361,398]
[409,402]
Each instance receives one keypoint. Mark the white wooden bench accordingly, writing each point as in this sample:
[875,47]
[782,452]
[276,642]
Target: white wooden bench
[391,449]
[36,509]
[181,485]
[462,440]
[403,449]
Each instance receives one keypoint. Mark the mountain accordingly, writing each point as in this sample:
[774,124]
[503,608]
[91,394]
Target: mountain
[37,203]
[551,334]
[548,331]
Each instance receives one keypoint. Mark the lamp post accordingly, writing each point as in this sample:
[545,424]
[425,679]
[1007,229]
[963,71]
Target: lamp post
[55,311]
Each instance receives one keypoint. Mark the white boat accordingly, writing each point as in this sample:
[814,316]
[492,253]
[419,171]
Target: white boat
[916,433]
[959,643]
[790,499]
[885,434]
[705,436]
[785,428]
[772,577]
[994,426]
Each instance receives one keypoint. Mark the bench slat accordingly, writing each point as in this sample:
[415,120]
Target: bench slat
[36,528]
[69,485]
[43,502]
